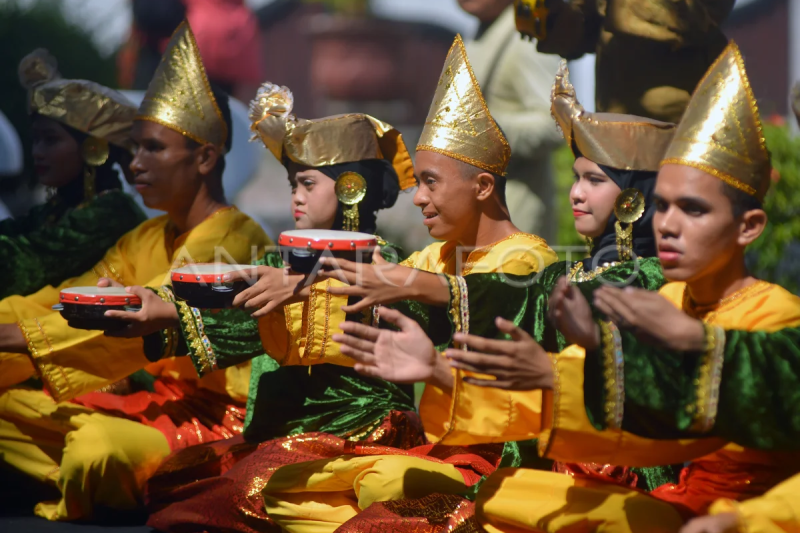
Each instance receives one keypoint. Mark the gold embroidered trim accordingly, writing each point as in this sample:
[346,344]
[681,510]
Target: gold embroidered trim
[708,380]
[455,302]
[543,443]
[709,313]
[311,330]
[578,275]
[727,178]
[169,336]
[326,329]
[613,375]
[200,349]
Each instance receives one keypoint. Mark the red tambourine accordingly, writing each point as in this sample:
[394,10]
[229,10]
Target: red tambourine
[85,307]
[302,248]
[202,285]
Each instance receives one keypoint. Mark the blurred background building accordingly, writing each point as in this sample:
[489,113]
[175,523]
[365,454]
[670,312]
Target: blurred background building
[381,57]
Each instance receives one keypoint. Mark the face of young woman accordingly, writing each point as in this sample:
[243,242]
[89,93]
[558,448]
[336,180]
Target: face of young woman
[314,202]
[592,198]
[56,154]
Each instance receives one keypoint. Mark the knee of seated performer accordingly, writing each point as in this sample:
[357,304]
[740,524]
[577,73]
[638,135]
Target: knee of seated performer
[398,477]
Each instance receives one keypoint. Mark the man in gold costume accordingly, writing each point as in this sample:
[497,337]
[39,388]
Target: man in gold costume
[708,196]
[651,54]
[461,159]
[62,436]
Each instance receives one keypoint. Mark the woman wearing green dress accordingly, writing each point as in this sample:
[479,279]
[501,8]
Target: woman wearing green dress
[80,131]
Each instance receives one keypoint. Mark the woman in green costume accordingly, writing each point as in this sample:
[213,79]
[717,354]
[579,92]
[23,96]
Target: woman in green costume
[80,131]
[213,484]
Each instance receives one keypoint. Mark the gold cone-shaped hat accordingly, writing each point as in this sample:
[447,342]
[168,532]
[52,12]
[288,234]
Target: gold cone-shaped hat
[720,132]
[329,140]
[179,96]
[459,124]
[625,142]
[80,104]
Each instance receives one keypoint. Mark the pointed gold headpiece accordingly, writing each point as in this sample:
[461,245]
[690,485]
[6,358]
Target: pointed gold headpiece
[83,105]
[179,96]
[326,141]
[459,124]
[720,132]
[625,142]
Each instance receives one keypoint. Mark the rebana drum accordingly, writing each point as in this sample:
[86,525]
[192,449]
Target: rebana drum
[302,249]
[85,307]
[202,285]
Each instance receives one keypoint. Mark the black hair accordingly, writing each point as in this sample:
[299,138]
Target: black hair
[741,202]
[223,102]
[106,176]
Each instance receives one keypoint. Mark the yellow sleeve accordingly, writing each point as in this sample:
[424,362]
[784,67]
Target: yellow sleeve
[73,362]
[777,511]
[568,435]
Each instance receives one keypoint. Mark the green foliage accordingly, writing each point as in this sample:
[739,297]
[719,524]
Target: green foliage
[42,26]
[768,255]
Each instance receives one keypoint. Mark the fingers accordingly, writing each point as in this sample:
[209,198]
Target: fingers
[478,362]
[480,344]
[355,343]
[615,308]
[377,257]
[347,290]
[108,282]
[345,276]
[129,316]
[139,291]
[396,318]
[267,309]
[360,356]
[511,329]
[359,306]
[356,329]
[246,274]
[491,383]
[340,265]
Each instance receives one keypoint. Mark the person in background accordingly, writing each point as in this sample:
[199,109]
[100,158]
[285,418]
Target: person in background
[75,149]
[516,81]
[650,55]
[227,34]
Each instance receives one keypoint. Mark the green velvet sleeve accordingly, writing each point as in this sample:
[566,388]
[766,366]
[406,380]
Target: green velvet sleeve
[758,390]
[330,398]
[51,243]
[221,338]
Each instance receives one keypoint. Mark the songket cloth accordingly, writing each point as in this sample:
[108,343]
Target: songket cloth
[718,469]
[293,412]
[99,449]
[308,497]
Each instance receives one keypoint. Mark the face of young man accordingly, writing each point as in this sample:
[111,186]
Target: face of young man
[447,199]
[314,202]
[696,232]
[167,172]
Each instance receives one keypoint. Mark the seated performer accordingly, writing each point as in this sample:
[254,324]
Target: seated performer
[285,401]
[708,197]
[98,449]
[80,131]
[619,253]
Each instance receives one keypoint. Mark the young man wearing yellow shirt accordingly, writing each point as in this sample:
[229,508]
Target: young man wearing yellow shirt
[93,457]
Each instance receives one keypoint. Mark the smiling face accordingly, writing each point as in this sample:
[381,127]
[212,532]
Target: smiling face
[56,153]
[448,200]
[167,172]
[314,202]
[592,197]
[697,233]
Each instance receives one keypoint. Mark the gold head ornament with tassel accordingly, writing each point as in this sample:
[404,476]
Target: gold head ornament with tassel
[329,141]
[624,142]
[179,95]
[104,114]
[459,124]
[720,132]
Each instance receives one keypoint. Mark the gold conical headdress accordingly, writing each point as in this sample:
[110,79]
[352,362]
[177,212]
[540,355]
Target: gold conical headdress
[80,104]
[625,142]
[329,140]
[720,132]
[179,96]
[459,124]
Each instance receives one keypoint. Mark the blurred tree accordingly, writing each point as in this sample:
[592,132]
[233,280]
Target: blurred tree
[775,256]
[42,26]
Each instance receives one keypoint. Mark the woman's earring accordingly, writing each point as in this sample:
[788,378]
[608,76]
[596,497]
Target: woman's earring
[351,188]
[94,152]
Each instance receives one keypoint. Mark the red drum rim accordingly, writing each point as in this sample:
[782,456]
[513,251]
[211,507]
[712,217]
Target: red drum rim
[339,241]
[108,296]
[193,273]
